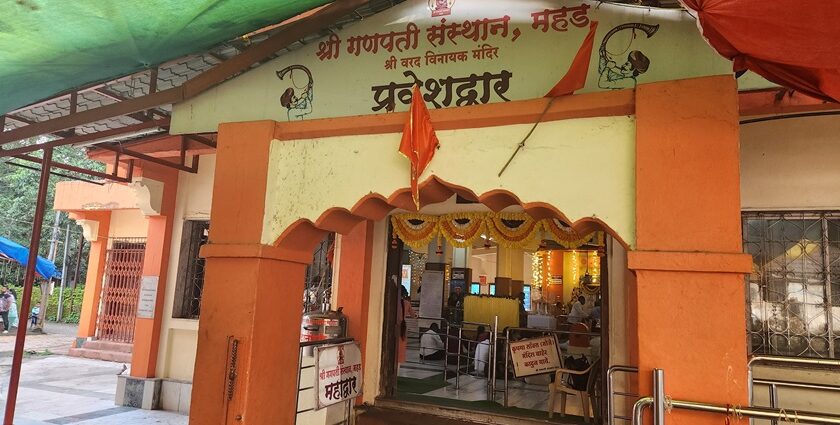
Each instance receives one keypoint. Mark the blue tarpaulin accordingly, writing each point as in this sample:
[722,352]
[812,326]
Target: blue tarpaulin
[20,253]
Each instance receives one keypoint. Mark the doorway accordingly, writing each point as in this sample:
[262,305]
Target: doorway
[464,303]
[120,290]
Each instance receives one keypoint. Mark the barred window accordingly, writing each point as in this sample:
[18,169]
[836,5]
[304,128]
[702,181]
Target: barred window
[190,283]
[793,293]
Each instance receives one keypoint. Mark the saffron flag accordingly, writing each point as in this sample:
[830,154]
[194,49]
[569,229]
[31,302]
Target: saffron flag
[575,77]
[419,141]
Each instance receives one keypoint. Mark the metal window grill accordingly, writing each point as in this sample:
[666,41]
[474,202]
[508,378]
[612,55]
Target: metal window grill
[318,285]
[793,294]
[120,290]
[196,279]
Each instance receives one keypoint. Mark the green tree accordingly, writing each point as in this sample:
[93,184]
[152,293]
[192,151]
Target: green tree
[18,195]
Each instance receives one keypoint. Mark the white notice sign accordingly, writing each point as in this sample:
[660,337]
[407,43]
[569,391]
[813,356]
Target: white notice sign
[534,356]
[339,373]
[148,297]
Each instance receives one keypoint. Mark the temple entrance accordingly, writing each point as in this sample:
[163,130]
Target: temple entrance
[501,312]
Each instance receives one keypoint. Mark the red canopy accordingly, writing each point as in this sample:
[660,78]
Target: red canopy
[792,43]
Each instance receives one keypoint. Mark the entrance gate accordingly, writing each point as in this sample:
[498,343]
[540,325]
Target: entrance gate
[120,290]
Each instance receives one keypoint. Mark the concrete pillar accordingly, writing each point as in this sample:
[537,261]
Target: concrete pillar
[155,264]
[688,259]
[251,305]
[99,223]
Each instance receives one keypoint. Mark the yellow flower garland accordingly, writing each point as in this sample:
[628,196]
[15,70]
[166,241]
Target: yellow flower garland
[498,225]
[512,237]
[417,236]
[461,235]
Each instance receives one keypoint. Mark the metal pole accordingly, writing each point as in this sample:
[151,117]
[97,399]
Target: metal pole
[507,360]
[759,413]
[446,353]
[639,409]
[658,397]
[28,280]
[458,366]
[63,274]
[774,400]
[491,375]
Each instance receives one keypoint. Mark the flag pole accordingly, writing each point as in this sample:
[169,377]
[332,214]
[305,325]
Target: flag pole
[28,280]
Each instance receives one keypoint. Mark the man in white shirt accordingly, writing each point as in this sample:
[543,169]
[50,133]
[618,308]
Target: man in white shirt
[578,313]
[482,356]
[431,346]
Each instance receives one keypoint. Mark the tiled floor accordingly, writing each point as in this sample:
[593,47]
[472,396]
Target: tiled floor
[470,388]
[61,390]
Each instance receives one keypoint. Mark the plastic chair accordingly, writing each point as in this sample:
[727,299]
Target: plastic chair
[560,386]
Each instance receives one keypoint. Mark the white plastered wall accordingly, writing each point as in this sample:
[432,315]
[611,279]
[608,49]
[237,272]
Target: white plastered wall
[792,164]
[179,337]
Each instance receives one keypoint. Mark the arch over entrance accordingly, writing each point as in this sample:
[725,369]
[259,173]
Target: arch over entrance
[305,234]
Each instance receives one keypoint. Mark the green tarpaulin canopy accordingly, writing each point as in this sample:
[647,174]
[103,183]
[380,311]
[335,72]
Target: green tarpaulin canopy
[50,46]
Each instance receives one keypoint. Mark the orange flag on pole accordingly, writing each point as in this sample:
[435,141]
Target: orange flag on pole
[575,77]
[419,141]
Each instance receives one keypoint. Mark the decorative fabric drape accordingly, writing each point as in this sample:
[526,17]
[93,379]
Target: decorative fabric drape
[791,43]
[511,230]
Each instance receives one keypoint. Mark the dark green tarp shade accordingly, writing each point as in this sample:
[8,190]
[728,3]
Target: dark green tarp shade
[50,46]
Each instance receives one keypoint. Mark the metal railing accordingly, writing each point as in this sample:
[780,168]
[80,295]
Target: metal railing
[468,357]
[611,393]
[307,346]
[661,404]
[773,384]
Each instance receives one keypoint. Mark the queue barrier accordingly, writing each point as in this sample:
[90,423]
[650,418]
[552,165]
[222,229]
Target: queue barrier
[661,403]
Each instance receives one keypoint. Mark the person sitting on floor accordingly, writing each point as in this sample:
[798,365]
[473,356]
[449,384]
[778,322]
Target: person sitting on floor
[482,355]
[431,346]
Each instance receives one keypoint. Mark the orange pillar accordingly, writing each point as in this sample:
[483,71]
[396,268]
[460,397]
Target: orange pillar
[95,271]
[354,281]
[252,296]
[688,260]
[155,263]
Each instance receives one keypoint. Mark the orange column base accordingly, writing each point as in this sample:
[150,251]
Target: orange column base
[691,325]
[253,304]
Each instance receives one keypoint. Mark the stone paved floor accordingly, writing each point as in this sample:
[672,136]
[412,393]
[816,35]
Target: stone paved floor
[56,389]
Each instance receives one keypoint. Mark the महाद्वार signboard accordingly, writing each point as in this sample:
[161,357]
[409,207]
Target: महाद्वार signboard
[338,371]
[459,53]
[535,356]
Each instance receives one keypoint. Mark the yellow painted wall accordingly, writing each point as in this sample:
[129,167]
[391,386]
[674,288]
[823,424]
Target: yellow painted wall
[128,224]
[178,337]
[307,177]
[790,164]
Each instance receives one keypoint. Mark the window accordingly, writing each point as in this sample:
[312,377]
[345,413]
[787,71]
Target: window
[793,294]
[190,283]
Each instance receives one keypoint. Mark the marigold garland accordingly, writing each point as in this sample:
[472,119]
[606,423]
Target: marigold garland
[512,230]
[564,235]
[461,229]
[416,230]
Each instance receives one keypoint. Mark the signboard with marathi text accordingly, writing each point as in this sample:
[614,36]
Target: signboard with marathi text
[461,53]
[148,297]
[535,356]
[338,373]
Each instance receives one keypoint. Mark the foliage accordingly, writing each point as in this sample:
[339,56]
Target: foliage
[18,195]
[72,303]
